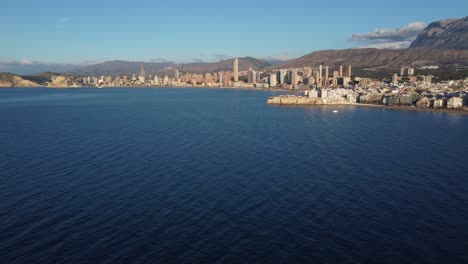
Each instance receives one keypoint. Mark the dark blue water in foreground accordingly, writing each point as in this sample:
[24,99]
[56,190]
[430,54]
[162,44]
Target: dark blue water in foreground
[218,176]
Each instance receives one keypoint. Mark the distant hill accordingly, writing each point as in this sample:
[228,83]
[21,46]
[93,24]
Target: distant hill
[380,58]
[13,80]
[112,68]
[226,65]
[42,78]
[35,68]
[446,34]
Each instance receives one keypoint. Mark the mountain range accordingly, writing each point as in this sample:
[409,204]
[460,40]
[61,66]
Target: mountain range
[112,68]
[446,34]
[376,59]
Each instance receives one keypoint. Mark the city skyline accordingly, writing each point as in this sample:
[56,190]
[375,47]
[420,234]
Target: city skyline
[202,31]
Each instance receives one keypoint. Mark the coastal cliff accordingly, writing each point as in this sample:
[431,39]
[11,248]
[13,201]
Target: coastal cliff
[59,82]
[13,80]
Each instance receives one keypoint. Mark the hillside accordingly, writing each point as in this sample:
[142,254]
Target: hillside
[226,65]
[446,34]
[13,80]
[380,58]
[113,68]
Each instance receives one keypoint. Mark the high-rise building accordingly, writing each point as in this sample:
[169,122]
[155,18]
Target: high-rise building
[350,71]
[293,77]
[410,71]
[236,70]
[281,76]
[394,79]
[402,71]
[341,71]
[227,79]
[252,75]
[221,77]
[142,75]
[321,71]
[273,81]
[258,77]
[317,77]
[336,74]
[208,77]
[176,73]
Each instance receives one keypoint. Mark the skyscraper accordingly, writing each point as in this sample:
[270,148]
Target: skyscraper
[273,81]
[281,76]
[336,74]
[293,77]
[394,79]
[341,70]
[227,79]
[142,74]
[221,77]
[350,71]
[236,70]
[321,71]
[251,78]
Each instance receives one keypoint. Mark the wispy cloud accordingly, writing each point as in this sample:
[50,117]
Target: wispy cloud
[198,60]
[25,62]
[64,19]
[158,60]
[390,38]
[221,57]
[62,22]
[279,57]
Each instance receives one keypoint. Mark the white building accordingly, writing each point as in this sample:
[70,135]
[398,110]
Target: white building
[281,76]
[455,102]
[273,81]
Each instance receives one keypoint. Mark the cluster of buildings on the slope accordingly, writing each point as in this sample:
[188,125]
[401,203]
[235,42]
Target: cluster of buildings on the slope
[403,90]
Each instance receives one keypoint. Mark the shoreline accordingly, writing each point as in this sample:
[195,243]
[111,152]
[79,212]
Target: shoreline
[390,107]
[147,87]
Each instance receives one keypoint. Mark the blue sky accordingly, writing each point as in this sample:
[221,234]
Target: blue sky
[79,32]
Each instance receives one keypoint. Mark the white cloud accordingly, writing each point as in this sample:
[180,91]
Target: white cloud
[198,60]
[25,62]
[221,57]
[61,22]
[390,45]
[158,60]
[64,20]
[280,57]
[390,38]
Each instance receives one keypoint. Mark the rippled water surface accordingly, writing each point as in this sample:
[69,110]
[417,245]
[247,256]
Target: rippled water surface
[218,176]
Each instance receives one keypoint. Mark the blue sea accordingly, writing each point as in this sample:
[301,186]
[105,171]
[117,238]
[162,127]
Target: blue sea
[218,176]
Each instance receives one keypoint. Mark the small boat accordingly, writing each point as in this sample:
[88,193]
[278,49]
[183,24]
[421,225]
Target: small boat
[336,111]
